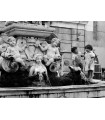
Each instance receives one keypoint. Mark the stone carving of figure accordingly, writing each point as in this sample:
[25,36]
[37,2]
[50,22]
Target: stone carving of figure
[3,46]
[21,43]
[3,42]
[13,52]
[38,68]
[52,51]
[3,38]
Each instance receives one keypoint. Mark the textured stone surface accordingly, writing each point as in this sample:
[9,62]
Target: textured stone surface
[73,91]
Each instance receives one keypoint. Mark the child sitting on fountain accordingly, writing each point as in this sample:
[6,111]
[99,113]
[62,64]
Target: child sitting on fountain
[52,51]
[76,58]
[13,52]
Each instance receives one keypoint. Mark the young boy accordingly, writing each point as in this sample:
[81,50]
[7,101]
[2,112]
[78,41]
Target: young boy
[89,61]
[76,58]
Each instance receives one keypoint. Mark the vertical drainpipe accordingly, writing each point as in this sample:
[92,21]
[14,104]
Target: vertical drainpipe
[95,27]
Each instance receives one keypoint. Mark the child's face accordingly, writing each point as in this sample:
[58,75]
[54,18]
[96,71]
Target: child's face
[76,51]
[87,50]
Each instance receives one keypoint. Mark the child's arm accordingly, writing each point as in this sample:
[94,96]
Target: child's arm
[92,55]
[43,48]
[73,60]
[91,61]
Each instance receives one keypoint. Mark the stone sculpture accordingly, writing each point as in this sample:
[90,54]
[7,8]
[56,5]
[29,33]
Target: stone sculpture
[28,52]
[39,69]
[52,51]
[30,56]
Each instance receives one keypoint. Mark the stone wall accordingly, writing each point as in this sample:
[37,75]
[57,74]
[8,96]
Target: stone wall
[68,32]
[97,39]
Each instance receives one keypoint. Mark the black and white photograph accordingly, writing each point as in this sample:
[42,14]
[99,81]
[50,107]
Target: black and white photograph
[52,59]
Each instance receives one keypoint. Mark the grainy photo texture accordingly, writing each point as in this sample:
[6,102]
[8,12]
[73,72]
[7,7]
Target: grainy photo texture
[52,59]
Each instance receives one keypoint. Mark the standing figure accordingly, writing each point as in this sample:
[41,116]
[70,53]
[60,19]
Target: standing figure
[52,51]
[89,61]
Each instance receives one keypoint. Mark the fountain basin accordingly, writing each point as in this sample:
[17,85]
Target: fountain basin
[73,91]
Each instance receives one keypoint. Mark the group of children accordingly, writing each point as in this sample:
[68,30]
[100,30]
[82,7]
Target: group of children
[87,66]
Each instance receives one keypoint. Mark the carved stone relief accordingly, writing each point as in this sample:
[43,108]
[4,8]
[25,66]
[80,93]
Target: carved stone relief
[31,55]
[27,48]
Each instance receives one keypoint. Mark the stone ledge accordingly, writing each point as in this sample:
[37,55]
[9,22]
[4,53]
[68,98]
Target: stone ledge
[74,91]
[28,30]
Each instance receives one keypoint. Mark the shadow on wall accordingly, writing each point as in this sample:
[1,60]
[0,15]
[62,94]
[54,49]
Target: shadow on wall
[100,51]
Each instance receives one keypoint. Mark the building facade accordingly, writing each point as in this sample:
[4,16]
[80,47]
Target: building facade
[71,33]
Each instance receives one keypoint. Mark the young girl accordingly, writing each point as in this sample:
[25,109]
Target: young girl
[89,61]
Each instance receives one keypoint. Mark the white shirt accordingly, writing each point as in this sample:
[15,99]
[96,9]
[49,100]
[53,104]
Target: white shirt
[88,58]
[74,57]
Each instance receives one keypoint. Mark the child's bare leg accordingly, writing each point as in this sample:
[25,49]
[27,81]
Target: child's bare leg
[86,73]
[90,75]
[19,60]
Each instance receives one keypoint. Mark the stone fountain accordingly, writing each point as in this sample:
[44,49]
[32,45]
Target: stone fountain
[29,52]
[23,64]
